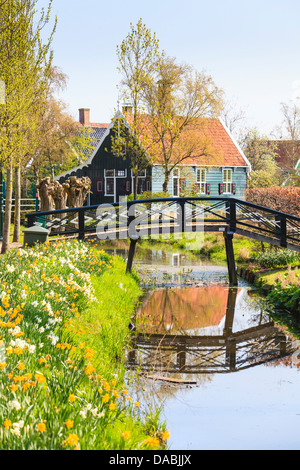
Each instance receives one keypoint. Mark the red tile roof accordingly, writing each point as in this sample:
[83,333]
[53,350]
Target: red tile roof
[99,124]
[227,151]
[95,124]
[215,142]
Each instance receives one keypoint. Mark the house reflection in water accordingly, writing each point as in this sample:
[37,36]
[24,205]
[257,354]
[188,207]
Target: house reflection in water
[186,309]
[204,330]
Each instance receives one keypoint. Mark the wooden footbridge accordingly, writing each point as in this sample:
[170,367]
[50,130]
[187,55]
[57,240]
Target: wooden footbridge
[166,216]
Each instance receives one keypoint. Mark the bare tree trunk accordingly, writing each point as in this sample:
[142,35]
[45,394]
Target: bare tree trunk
[166,183]
[7,214]
[17,212]
[45,188]
[59,195]
[77,190]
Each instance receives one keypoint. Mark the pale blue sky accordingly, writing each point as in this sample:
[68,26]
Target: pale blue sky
[251,49]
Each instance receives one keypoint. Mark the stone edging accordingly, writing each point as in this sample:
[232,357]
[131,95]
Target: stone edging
[252,278]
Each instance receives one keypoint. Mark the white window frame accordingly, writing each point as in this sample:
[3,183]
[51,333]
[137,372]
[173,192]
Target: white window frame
[115,173]
[106,175]
[114,186]
[121,176]
[227,181]
[142,174]
[201,179]
[176,176]
[113,176]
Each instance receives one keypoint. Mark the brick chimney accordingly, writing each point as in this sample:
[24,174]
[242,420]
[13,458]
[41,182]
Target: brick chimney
[84,116]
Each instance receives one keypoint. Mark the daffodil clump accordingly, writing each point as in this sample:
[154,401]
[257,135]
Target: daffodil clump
[53,394]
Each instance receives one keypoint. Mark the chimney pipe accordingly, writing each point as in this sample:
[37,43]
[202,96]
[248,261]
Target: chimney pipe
[84,116]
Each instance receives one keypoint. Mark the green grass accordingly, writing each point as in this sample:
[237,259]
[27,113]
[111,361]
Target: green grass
[106,321]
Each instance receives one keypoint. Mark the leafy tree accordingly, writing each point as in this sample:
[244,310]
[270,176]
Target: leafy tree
[168,103]
[261,154]
[59,143]
[138,56]
[177,103]
[25,61]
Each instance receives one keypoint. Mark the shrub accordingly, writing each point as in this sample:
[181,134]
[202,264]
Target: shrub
[277,258]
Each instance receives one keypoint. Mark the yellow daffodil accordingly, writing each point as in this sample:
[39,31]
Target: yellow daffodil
[41,427]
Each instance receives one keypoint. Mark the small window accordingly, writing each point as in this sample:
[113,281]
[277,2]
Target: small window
[176,174]
[175,187]
[148,186]
[100,186]
[128,187]
[121,173]
[201,180]
[110,186]
[109,173]
[141,174]
[227,180]
[141,186]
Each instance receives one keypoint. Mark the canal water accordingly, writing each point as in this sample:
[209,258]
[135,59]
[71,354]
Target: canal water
[224,374]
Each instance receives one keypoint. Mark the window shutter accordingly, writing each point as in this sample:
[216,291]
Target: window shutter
[233,188]
[128,186]
[182,185]
[207,188]
[221,188]
[99,185]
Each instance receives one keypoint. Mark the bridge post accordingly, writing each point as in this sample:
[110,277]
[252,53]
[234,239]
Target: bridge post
[131,253]
[280,223]
[182,215]
[81,234]
[228,236]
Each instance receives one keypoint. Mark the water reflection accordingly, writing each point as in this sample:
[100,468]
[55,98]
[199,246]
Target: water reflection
[206,329]
[159,268]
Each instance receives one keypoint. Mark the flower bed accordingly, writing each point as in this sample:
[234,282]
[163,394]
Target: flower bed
[53,393]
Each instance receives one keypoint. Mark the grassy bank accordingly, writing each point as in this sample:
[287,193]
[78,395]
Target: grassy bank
[276,273]
[65,309]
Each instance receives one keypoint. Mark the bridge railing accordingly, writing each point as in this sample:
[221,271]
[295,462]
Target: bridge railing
[173,215]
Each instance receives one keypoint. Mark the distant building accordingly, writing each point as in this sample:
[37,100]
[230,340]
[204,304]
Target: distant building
[288,154]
